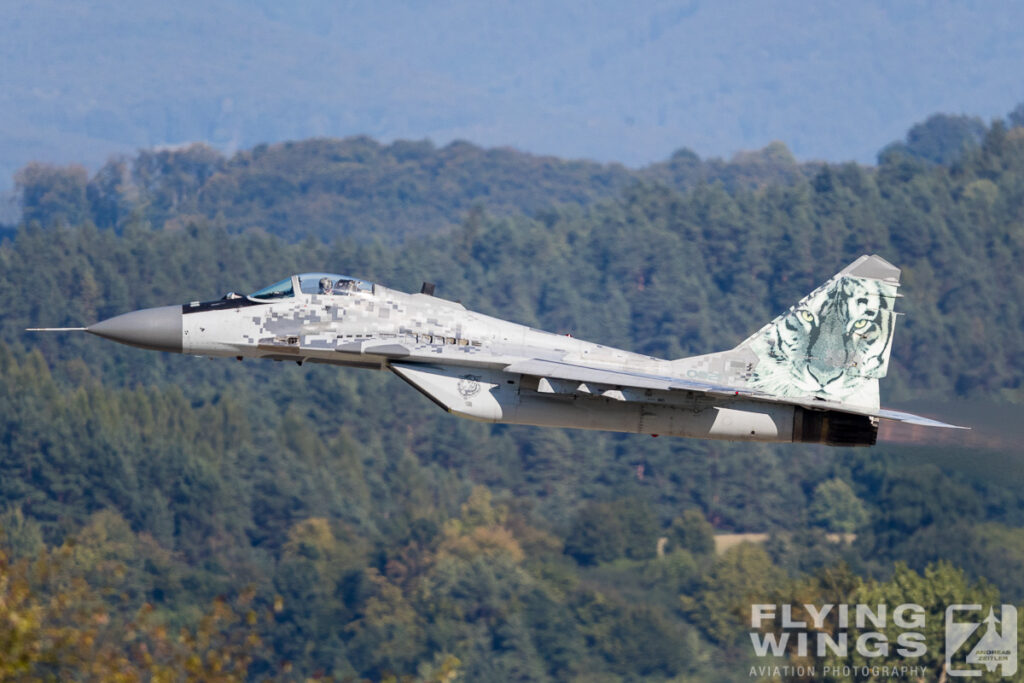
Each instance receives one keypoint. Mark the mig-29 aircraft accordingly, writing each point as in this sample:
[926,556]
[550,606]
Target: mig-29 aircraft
[811,375]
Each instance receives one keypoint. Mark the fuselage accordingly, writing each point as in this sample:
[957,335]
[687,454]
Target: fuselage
[458,357]
[481,367]
[372,327]
[810,375]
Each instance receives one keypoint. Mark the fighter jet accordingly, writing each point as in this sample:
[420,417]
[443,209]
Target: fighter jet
[810,376]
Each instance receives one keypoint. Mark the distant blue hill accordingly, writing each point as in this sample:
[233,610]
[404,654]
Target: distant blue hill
[602,81]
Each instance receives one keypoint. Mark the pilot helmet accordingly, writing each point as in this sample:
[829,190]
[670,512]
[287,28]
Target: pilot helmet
[325,284]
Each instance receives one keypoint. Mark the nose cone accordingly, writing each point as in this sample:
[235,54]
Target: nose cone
[158,329]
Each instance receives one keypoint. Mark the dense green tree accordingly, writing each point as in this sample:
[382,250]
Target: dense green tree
[20,536]
[692,532]
[836,507]
[602,532]
[941,139]
[53,195]
[59,623]
[741,576]
[1016,117]
[596,535]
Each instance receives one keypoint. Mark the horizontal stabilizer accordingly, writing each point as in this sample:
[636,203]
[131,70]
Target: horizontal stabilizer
[911,419]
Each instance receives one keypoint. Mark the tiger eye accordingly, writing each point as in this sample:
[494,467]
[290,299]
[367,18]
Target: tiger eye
[807,315]
[859,324]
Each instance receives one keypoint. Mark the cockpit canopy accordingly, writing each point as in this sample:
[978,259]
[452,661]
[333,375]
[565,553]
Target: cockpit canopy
[331,283]
[278,290]
[313,283]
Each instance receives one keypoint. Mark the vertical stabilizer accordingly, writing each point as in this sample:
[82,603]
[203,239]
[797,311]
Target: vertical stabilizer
[835,343]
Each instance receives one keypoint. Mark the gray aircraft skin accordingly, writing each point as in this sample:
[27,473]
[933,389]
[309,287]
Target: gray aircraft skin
[811,375]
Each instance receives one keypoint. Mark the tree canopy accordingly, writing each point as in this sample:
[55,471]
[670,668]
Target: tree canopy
[402,542]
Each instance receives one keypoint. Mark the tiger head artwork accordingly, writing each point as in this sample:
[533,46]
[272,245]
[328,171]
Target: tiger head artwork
[831,345]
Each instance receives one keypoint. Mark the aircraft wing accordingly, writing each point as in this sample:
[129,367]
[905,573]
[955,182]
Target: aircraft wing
[484,392]
[620,378]
[625,379]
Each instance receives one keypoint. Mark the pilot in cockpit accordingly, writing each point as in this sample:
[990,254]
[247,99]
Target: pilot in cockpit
[345,286]
[325,285]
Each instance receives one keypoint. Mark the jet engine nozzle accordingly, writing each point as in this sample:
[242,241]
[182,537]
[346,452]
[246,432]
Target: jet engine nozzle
[158,329]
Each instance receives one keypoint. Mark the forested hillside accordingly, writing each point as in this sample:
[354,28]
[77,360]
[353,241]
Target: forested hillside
[356,531]
[354,187]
